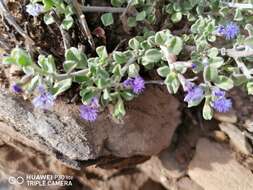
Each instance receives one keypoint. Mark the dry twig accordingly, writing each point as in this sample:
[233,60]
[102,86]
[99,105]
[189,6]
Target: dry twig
[64,33]
[83,22]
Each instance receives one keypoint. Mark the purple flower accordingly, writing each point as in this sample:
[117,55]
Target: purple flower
[230,31]
[128,83]
[34,9]
[195,94]
[45,100]
[90,112]
[222,104]
[188,86]
[194,66]
[137,84]
[218,92]
[221,30]
[16,88]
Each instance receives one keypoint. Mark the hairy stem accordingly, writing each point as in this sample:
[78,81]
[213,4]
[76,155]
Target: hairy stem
[158,82]
[102,9]
[239,5]
[69,75]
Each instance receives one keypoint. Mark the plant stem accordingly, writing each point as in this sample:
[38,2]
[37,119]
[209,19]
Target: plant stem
[102,9]
[239,5]
[243,68]
[236,55]
[68,75]
[158,82]
[129,62]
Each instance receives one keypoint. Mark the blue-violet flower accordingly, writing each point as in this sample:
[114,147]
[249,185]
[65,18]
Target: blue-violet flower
[218,92]
[221,30]
[90,112]
[222,104]
[45,100]
[194,94]
[137,84]
[34,9]
[230,31]
[16,88]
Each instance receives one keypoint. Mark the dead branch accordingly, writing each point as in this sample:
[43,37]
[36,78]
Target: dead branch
[64,33]
[83,22]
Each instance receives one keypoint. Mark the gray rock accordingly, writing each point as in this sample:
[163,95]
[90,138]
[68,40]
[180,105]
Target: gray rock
[215,168]
[164,169]
[146,130]
[229,117]
[187,184]
[238,140]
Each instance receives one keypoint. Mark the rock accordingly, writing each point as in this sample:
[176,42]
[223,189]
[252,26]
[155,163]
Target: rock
[151,185]
[220,136]
[229,117]
[147,129]
[215,168]
[155,170]
[238,140]
[164,169]
[249,125]
[187,184]
[125,179]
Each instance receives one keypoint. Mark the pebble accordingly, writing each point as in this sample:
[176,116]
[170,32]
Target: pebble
[220,136]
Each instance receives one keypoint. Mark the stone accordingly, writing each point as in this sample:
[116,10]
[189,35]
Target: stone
[112,179]
[163,169]
[237,139]
[219,136]
[146,130]
[215,168]
[186,183]
[229,117]
[151,185]
[249,125]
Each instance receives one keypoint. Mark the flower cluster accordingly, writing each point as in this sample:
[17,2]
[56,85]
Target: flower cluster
[221,103]
[89,112]
[16,88]
[194,93]
[45,100]
[137,84]
[229,31]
